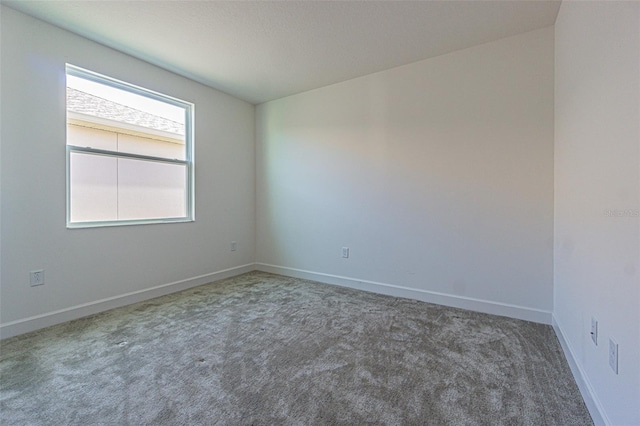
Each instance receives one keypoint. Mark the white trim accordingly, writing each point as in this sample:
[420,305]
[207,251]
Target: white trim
[469,303]
[37,322]
[586,389]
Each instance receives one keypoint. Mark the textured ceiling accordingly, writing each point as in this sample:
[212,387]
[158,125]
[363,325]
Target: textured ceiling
[264,50]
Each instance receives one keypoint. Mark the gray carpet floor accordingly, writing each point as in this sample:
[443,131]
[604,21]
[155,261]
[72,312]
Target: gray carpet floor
[262,349]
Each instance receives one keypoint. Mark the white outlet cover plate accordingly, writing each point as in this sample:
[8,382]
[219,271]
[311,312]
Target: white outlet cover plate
[613,355]
[36,277]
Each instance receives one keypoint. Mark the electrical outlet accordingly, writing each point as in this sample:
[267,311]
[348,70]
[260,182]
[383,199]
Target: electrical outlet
[594,330]
[36,277]
[345,252]
[234,246]
[613,355]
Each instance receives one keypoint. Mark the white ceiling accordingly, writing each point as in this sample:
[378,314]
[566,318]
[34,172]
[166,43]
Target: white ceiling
[264,50]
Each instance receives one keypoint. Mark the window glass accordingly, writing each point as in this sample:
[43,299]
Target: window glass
[130,153]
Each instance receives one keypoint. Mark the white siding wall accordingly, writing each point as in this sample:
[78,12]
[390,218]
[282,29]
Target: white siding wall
[109,189]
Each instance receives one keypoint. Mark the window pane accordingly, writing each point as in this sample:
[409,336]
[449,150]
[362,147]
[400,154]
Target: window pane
[140,124]
[94,187]
[129,153]
[151,190]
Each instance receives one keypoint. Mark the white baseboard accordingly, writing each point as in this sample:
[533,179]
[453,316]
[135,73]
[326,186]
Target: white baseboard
[485,306]
[33,323]
[37,322]
[593,403]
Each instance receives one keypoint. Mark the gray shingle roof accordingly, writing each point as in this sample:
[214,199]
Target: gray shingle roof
[85,103]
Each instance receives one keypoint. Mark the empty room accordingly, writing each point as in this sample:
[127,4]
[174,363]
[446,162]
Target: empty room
[320,212]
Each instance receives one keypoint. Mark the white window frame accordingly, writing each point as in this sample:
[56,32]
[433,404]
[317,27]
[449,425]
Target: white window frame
[188,162]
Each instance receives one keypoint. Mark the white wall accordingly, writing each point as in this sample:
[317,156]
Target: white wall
[83,266]
[438,175]
[597,168]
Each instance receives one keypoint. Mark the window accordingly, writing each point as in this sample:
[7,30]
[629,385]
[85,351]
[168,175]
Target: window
[129,154]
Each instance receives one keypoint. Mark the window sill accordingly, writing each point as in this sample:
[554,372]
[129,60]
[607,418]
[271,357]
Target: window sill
[83,225]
